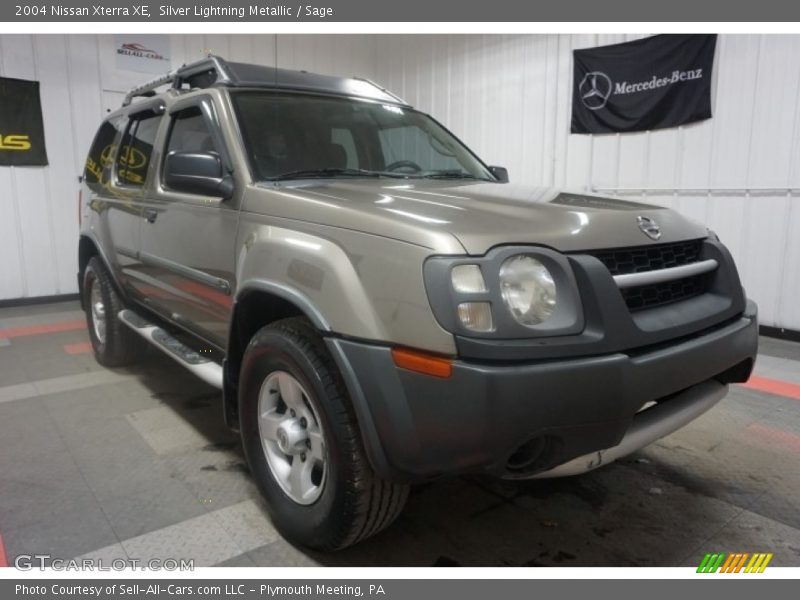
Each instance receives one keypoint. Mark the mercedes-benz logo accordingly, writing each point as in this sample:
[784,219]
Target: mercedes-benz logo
[595,88]
[649,227]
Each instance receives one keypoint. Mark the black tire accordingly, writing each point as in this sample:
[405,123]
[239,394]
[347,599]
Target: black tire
[354,503]
[121,346]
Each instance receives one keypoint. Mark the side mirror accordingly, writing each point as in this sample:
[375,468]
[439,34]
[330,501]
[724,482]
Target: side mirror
[197,173]
[501,173]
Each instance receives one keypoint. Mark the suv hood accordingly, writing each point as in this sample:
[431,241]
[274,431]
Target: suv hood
[478,214]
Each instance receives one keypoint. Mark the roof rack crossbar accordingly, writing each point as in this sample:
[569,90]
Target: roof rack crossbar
[148,87]
[177,76]
[381,88]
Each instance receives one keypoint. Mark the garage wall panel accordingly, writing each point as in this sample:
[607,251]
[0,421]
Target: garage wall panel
[788,304]
[59,222]
[509,98]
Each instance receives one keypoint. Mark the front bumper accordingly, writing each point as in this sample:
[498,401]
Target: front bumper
[416,427]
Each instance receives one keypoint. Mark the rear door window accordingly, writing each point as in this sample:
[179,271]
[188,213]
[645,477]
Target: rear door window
[136,150]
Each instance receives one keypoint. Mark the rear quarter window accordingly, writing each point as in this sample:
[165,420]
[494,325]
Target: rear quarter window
[97,170]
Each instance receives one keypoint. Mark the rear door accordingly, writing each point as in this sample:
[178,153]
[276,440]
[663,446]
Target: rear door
[116,170]
[187,240]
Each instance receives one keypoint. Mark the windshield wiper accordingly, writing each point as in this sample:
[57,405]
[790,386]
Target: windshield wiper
[328,172]
[450,175]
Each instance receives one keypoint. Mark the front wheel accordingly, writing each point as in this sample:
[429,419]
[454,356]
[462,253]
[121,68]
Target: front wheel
[303,444]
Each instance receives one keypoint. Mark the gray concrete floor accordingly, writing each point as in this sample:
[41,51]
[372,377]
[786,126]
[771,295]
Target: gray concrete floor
[137,463]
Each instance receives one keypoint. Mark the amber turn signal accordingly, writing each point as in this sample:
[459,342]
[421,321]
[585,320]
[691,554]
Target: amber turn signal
[422,363]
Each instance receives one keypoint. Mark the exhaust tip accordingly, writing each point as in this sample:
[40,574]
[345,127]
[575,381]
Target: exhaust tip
[530,457]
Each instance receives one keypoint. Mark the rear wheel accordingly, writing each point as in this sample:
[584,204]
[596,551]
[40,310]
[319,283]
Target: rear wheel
[303,444]
[114,344]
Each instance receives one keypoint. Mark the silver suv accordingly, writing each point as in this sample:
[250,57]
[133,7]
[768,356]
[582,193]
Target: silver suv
[378,306]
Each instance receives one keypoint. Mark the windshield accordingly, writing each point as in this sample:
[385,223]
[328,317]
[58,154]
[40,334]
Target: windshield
[296,136]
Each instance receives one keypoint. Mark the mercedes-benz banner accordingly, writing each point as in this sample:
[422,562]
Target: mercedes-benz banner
[652,83]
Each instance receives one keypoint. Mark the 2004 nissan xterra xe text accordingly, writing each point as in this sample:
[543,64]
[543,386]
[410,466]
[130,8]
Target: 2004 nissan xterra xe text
[381,307]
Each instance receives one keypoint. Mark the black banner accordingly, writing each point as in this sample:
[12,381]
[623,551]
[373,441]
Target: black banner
[21,128]
[652,83]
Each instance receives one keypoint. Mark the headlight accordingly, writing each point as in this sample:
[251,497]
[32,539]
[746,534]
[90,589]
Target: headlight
[528,289]
[467,279]
[509,293]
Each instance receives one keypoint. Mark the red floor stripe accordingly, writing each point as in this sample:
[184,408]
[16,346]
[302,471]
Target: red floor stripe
[3,560]
[774,386]
[785,438]
[42,329]
[80,348]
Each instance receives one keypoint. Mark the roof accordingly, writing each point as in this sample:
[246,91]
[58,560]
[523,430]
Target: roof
[216,71]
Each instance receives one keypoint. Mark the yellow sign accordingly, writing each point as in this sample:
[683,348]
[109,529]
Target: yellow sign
[15,142]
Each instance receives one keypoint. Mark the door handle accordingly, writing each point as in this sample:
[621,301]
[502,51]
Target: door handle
[150,215]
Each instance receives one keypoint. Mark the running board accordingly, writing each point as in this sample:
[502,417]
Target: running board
[205,369]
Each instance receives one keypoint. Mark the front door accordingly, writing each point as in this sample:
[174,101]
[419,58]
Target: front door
[187,240]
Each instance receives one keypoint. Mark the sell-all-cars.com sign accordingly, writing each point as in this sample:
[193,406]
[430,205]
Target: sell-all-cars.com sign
[143,53]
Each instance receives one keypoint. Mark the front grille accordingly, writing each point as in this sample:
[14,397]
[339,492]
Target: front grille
[649,258]
[623,261]
[657,294]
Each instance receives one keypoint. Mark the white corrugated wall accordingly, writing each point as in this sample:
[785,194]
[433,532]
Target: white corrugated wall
[508,97]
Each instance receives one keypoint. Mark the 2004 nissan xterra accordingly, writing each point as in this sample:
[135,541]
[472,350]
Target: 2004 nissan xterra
[381,307]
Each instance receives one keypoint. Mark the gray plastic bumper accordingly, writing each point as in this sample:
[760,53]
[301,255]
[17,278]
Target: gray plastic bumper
[417,427]
[647,427]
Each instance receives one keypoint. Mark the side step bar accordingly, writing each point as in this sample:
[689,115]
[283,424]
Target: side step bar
[205,369]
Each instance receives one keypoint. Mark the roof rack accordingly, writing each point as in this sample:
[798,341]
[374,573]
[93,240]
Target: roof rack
[381,88]
[212,65]
[214,70]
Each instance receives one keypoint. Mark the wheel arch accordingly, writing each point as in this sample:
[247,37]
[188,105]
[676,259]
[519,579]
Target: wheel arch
[259,303]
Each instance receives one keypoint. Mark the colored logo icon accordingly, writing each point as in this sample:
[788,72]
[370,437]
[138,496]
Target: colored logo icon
[735,562]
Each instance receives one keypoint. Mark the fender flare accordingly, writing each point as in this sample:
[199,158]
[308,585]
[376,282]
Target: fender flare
[286,293]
